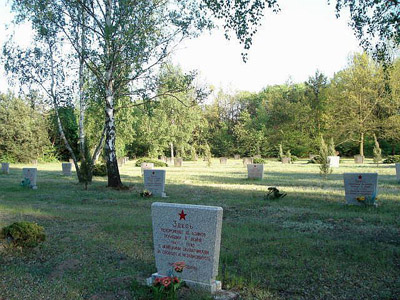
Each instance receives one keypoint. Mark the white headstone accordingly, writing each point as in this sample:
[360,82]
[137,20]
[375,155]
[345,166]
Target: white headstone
[223,160]
[398,172]
[334,161]
[236,156]
[286,160]
[66,169]
[30,174]
[5,168]
[178,162]
[247,160]
[188,233]
[154,181]
[146,166]
[360,188]
[255,171]
[358,159]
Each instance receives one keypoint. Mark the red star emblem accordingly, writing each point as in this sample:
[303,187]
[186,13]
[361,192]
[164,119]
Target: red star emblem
[359,177]
[182,215]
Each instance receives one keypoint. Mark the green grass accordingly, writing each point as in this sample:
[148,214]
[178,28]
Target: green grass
[308,245]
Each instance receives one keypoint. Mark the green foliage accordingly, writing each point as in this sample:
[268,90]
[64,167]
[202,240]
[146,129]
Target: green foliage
[377,151]
[157,163]
[392,159]
[331,148]
[23,234]
[280,152]
[207,154]
[315,160]
[23,131]
[259,161]
[324,167]
[100,170]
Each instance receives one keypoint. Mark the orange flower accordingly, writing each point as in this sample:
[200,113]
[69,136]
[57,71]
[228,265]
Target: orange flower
[179,266]
[166,281]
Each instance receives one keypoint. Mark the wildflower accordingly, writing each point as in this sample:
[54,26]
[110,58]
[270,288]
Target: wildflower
[175,279]
[166,281]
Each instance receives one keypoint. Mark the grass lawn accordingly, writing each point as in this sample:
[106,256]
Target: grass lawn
[308,245]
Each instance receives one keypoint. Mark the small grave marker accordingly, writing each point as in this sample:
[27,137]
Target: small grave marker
[34,162]
[178,162]
[358,159]
[255,171]
[188,233]
[146,166]
[286,160]
[5,168]
[334,161]
[66,169]
[236,156]
[223,160]
[398,172]
[29,177]
[247,160]
[154,181]
[361,188]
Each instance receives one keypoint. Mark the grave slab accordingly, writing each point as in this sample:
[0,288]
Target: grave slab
[154,181]
[361,188]
[5,168]
[334,161]
[188,233]
[30,173]
[66,169]
[255,171]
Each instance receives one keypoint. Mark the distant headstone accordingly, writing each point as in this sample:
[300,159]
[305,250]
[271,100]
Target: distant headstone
[5,168]
[236,156]
[163,158]
[126,159]
[178,162]
[29,179]
[255,171]
[334,161]
[286,160]
[223,160]
[120,162]
[146,166]
[360,188]
[257,156]
[398,172]
[71,161]
[188,233]
[66,169]
[154,181]
[247,160]
[358,159]
[34,161]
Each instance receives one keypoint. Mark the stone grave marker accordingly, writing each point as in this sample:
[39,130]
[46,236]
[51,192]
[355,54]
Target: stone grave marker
[236,156]
[66,169]
[223,160]
[286,160]
[188,233]
[334,161]
[247,160]
[361,188]
[358,159]
[255,171]
[5,168]
[178,161]
[30,177]
[146,166]
[154,181]
[34,162]
[398,172]
[120,162]
[71,161]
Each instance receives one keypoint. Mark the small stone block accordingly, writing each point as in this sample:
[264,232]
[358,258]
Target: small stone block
[334,161]
[360,185]
[255,171]
[66,169]
[154,181]
[5,168]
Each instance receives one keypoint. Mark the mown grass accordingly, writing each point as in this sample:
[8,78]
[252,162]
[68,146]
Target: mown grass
[308,245]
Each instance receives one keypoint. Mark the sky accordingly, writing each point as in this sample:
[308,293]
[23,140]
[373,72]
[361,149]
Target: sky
[291,45]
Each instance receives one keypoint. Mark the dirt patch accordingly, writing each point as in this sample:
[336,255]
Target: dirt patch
[67,265]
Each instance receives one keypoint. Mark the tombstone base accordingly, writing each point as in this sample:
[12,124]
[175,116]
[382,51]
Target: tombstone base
[212,288]
[164,195]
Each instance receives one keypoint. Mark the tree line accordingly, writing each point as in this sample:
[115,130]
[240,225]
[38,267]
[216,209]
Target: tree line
[358,103]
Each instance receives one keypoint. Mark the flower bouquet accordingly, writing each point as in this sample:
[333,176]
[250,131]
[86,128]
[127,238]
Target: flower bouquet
[166,288]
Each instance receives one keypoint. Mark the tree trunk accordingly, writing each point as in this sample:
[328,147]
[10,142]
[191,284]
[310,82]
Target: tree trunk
[172,150]
[362,144]
[114,179]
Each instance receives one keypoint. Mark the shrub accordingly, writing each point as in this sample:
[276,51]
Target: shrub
[258,161]
[392,159]
[23,234]
[100,170]
[315,160]
[156,162]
